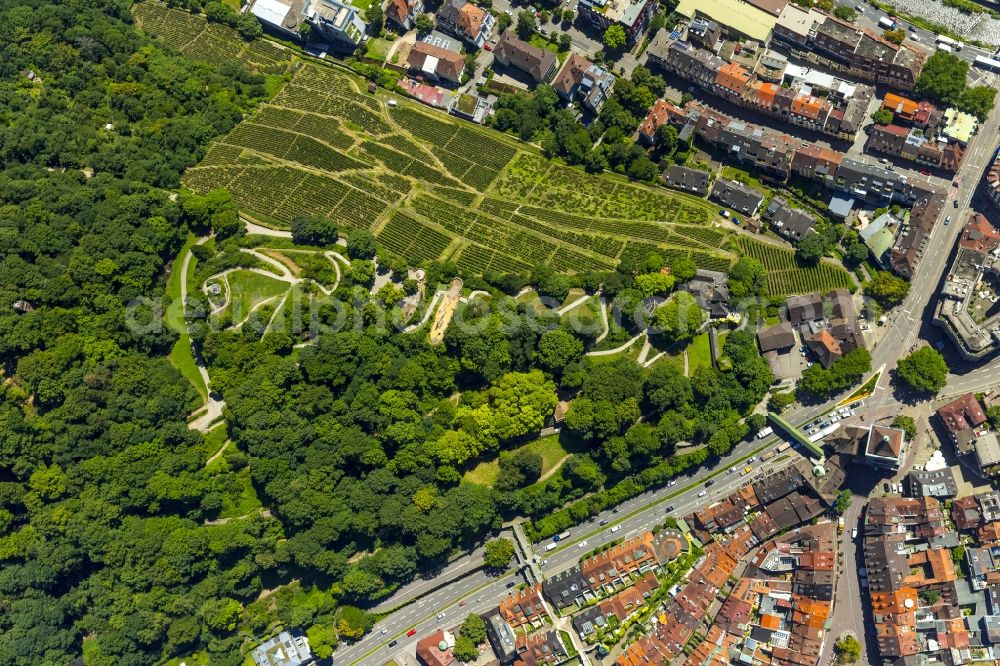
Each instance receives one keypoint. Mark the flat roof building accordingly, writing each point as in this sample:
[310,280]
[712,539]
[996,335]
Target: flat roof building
[740,18]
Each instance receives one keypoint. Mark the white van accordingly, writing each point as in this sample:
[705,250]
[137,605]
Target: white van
[616,528]
[551,546]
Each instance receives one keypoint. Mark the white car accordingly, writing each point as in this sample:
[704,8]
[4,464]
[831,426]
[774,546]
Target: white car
[616,528]
[702,493]
[582,544]
[751,459]
[732,469]
[834,418]
[672,483]
[843,411]
[854,533]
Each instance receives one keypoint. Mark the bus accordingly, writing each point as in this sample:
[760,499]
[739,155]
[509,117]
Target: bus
[987,63]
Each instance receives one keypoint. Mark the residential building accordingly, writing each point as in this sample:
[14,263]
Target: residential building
[283,650]
[689,180]
[975,262]
[437,649]
[866,55]
[710,291]
[436,63]
[523,607]
[803,308]
[339,22]
[961,417]
[731,80]
[992,178]
[940,483]
[704,33]
[797,26]
[879,236]
[917,114]
[543,647]
[403,13]
[699,66]
[632,15]
[779,338]
[792,223]
[814,162]
[737,196]
[466,21]
[661,113]
[566,588]
[283,17]
[826,347]
[581,79]
[512,51]
[502,638]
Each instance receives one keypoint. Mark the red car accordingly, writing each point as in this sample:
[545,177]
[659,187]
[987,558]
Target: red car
[488,47]
[411,633]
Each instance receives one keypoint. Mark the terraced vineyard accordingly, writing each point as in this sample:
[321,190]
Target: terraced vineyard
[431,187]
[196,38]
[785,277]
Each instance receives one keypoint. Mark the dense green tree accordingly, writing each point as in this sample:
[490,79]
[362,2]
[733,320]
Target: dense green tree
[361,245]
[844,12]
[465,650]
[474,627]
[526,24]
[924,370]
[425,22]
[943,78]
[557,349]
[314,230]
[848,650]
[887,289]
[615,38]
[906,424]
[882,117]
[498,554]
[842,373]
[679,318]
[746,277]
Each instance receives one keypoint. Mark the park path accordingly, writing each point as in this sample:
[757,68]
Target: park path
[215,456]
[609,352]
[265,231]
[212,409]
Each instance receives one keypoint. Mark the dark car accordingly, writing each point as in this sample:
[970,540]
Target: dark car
[392,643]
[710,482]
[604,522]
[511,584]
[670,508]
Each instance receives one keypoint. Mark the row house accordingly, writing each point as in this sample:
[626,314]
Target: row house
[868,56]
[912,144]
[696,65]
[917,114]
[523,607]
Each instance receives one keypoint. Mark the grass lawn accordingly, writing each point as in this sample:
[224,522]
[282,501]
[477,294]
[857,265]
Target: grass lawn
[485,473]
[378,49]
[542,43]
[699,353]
[181,356]
[249,289]
[739,175]
[586,316]
[213,440]
[631,353]
[241,497]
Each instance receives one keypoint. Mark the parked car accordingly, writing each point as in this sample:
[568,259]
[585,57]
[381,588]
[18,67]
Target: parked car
[947,220]
[440,616]
[854,533]
[886,487]
[673,482]
[488,46]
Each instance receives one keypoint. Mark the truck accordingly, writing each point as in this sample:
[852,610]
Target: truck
[887,23]
[784,446]
[944,47]
[561,536]
[551,547]
[953,44]
[840,525]
[765,432]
